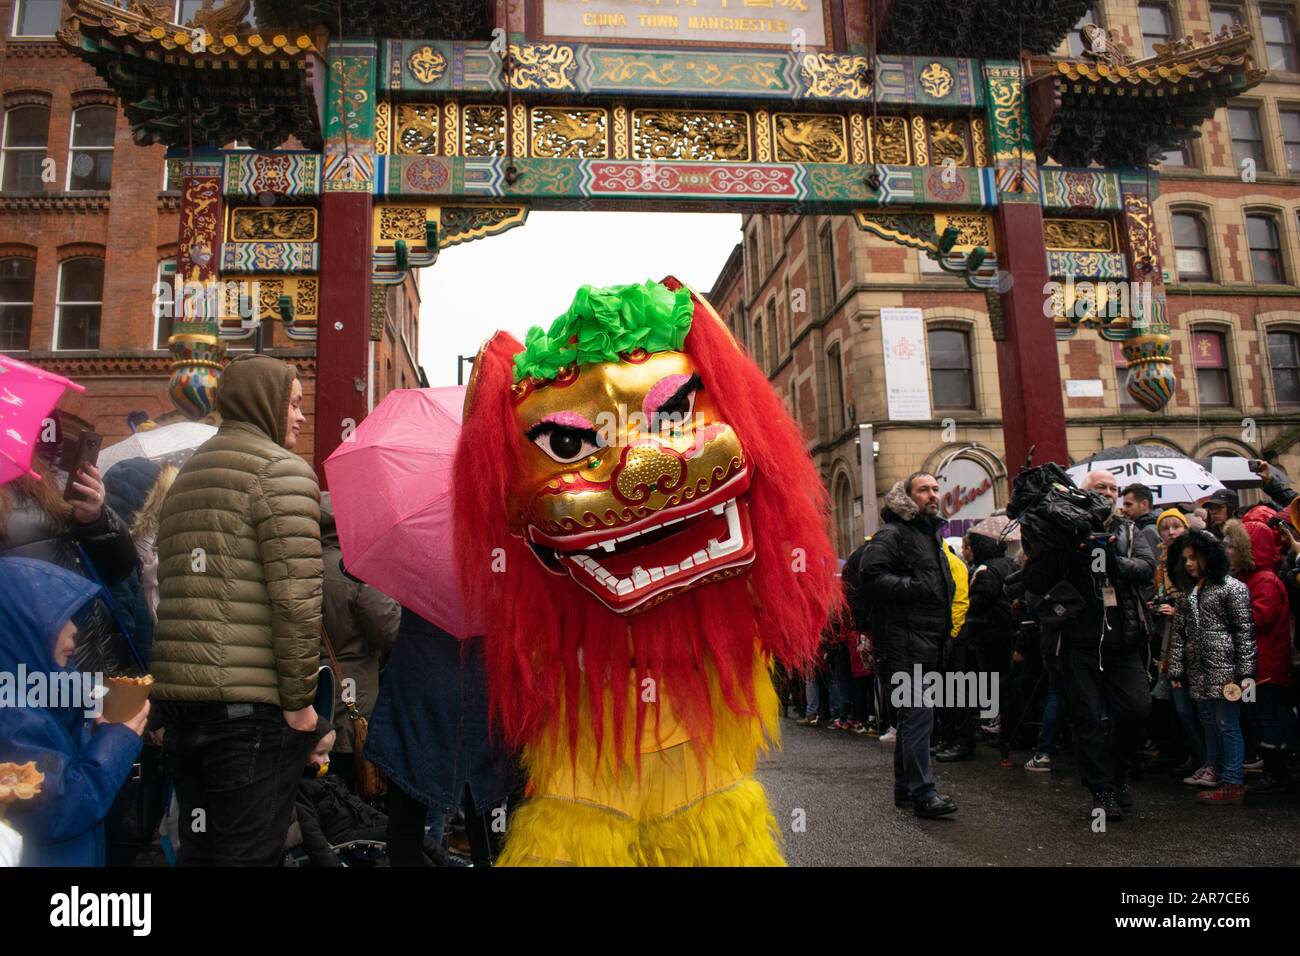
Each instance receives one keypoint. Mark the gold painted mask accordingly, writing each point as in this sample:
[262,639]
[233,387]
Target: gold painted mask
[631,483]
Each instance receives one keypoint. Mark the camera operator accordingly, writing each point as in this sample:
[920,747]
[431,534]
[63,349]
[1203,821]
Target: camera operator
[1102,643]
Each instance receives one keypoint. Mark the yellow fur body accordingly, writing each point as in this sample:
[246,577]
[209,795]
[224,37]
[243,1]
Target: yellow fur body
[691,803]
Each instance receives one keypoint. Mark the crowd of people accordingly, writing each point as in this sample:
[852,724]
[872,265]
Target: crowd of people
[223,581]
[1164,641]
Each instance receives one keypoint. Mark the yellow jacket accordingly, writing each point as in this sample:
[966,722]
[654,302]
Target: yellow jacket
[960,596]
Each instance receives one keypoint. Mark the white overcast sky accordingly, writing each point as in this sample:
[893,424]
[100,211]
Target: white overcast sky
[528,276]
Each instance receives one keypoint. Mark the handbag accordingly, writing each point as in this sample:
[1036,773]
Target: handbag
[371,782]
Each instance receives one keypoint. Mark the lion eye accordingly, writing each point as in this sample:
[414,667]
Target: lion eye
[677,410]
[565,445]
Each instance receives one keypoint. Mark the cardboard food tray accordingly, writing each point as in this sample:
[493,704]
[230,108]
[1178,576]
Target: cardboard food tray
[125,698]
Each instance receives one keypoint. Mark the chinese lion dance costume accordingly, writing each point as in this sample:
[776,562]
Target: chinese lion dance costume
[640,524]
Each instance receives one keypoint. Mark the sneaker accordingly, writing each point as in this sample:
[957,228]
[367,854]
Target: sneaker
[812,720]
[1267,783]
[1205,777]
[837,724]
[853,725]
[994,726]
[1256,764]
[889,736]
[862,730]
[1228,793]
[1188,766]
[1039,763]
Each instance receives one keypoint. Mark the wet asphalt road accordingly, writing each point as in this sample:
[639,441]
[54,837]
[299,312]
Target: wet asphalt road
[843,784]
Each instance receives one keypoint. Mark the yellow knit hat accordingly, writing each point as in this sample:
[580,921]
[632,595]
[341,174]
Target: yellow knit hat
[1172,513]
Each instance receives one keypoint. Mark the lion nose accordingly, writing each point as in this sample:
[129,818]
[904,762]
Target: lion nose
[646,467]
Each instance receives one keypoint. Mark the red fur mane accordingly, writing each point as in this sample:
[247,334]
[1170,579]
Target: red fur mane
[536,621]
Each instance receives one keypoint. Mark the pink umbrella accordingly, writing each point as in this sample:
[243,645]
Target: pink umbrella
[27,396]
[391,487]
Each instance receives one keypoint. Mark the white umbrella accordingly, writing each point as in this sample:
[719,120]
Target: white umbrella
[1233,470]
[1171,480]
[170,444]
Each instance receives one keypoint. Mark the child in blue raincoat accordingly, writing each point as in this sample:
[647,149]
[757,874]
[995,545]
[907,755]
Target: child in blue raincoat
[85,761]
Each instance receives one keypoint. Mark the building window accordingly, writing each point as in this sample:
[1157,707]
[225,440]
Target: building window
[1178,157]
[1073,44]
[789,314]
[764,249]
[835,388]
[1278,31]
[1191,248]
[26,134]
[17,289]
[759,359]
[844,517]
[1210,358]
[753,266]
[826,245]
[1291,138]
[1224,18]
[90,158]
[37,18]
[1265,250]
[1156,25]
[951,380]
[80,300]
[1284,358]
[773,352]
[1121,377]
[162,325]
[1247,139]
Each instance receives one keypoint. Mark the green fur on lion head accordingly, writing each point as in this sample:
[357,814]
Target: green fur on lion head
[603,324]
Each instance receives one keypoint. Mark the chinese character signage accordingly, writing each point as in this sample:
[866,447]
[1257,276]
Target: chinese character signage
[907,383]
[788,23]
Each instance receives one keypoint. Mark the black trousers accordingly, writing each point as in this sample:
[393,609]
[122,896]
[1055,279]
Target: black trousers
[236,769]
[1119,679]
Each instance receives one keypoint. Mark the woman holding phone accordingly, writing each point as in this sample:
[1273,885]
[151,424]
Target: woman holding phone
[40,520]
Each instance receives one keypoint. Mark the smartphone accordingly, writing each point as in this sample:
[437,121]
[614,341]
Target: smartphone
[1254,465]
[84,452]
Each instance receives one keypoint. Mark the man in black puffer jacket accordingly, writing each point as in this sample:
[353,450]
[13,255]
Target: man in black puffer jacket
[906,577]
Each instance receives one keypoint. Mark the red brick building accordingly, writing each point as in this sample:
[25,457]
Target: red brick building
[89,225]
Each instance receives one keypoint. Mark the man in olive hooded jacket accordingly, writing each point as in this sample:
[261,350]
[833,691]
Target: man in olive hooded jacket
[237,645]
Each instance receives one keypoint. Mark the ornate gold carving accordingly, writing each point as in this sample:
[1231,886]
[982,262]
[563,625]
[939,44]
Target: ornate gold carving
[620,132]
[570,133]
[383,126]
[465,223]
[222,20]
[1141,231]
[303,290]
[427,64]
[485,131]
[837,75]
[651,70]
[417,129]
[451,129]
[542,66]
[378,310]
[948,141]
[1084,235]
[279,224]
[1007,103]
[713,136]
[400,222]
[979,141]
[920,152]
[889,141]
[519,135]
[936,80]
[810,138]
[858,138]
[763,136]
[973,229]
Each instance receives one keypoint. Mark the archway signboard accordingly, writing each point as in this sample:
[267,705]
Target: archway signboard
[414,138]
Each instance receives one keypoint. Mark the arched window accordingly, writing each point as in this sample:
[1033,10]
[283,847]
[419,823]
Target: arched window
[26,138]
[757,344]
[80,303]
[17,289]
[835,388]
[844,517]
[951,380]
[1265,249]
[1210,358]
[1284,360]
[752,264]
[773,352]
[826,247]
[90,156]
[1191,248]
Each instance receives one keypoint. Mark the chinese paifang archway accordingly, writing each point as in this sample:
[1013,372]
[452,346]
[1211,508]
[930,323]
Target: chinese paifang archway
[385,130]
